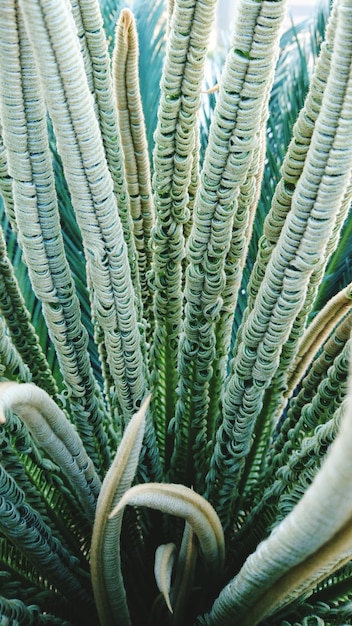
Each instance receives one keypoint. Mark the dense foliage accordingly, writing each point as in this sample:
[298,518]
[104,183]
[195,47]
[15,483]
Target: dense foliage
[175,300]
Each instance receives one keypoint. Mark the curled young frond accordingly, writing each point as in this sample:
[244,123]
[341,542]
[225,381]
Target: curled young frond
[266,344]
[308,545]
[107,581]
[89,180]
[41,240]
[53,432]
[174,173]
[163,566]
[183,502]
[135,147]
[97,64]
[223,211]
[317,332]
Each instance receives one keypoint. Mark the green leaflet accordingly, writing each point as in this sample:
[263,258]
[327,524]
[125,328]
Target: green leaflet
[334,600]
[45,489]
[14,611]
[30,587]
[26,530]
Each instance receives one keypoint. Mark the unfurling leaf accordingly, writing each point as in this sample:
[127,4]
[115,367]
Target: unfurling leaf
[106,572]
[183,502]
[56,435]
[163,566]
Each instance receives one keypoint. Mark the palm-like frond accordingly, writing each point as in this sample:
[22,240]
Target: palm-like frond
[299,49]
[146,251]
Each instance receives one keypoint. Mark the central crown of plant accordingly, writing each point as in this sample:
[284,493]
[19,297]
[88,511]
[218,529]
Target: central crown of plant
[217,507]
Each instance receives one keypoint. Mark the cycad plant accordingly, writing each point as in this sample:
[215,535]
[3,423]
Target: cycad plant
[154,471]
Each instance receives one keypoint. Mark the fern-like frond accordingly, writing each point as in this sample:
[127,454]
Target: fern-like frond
[51,428]
[150,200]
[175,138]
[135,148]
[288,268]
[278,572]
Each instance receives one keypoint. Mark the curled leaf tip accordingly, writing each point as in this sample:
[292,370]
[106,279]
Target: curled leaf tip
[116,510]
[126,19]
[53,432]
[5,398]
[146,402]
[179,500]
[163,566]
